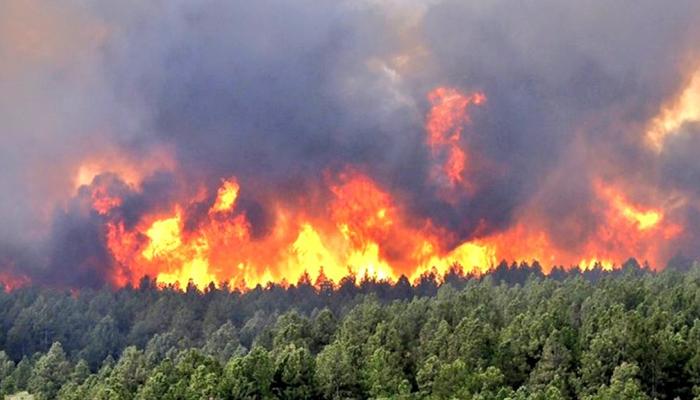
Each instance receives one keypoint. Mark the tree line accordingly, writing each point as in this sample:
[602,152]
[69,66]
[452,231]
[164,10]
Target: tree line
[511,334]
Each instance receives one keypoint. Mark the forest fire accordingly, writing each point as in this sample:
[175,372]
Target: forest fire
[355,227]
[359,227]
[368,233]
[411,138]
[350,199]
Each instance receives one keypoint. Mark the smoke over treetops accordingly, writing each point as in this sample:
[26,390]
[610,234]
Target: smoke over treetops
[252,141]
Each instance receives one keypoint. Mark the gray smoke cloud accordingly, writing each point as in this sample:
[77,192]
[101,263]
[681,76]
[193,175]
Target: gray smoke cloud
[277,92]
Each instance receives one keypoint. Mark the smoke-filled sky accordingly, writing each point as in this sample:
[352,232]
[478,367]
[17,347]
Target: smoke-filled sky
[586,102]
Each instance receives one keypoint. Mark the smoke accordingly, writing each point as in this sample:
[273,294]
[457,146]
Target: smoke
[283,94]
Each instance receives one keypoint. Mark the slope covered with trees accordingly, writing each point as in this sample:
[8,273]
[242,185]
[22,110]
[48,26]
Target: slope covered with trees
[513,334]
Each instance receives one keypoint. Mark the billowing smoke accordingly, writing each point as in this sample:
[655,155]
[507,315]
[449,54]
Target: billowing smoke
[114,114]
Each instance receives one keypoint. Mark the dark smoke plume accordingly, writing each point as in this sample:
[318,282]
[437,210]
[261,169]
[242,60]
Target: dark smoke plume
[281,93]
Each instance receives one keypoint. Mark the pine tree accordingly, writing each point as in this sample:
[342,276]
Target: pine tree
[51,371]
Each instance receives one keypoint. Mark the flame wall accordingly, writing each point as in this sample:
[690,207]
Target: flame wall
[255,141]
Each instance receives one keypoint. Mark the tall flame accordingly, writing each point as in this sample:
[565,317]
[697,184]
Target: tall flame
[367,233]
[444,126]
[362,229]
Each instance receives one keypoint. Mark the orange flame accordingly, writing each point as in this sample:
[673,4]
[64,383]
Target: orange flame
[644,219]
[625,230]
[444,126]
[129,169]
[226,196]
[364,230]
[367,234]
[685,108]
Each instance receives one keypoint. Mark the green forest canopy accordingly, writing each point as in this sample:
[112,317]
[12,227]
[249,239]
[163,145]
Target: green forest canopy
[513,334]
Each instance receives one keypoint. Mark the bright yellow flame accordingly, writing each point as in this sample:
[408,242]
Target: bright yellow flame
[591,263]
[310,252]
[366,235]
[164,237]
[685,109]
[644,220]
[226,196]
[470,255]
[195,269]
[367,262]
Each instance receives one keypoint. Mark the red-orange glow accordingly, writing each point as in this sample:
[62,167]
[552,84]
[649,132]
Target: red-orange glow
[11,282]
[625,230]
[361,228]
[684,108]
[455,164]
[102,202]
[444,126]
[130,170]
[226,196]
[367,233]
[644,219]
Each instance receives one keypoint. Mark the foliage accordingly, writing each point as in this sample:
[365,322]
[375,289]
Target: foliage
[513,334]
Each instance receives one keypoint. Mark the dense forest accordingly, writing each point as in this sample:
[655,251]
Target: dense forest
[511,334]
